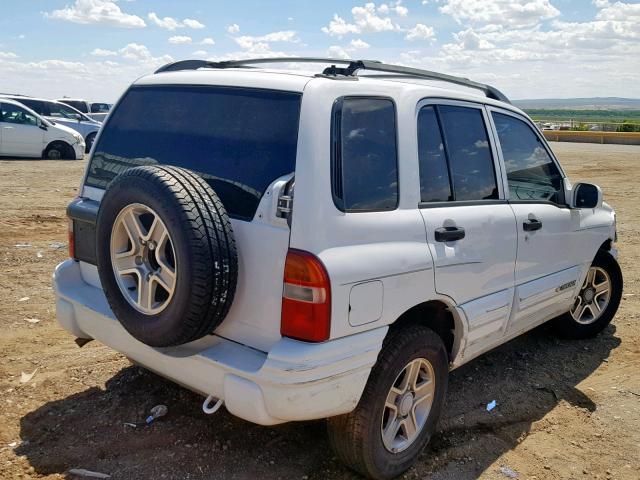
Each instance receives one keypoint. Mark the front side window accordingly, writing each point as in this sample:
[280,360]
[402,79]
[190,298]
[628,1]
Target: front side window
[17,115]
[470,159]
[364,163]
[238,139]
[531,173]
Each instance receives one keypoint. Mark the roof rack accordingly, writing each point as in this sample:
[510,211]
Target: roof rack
[351,70]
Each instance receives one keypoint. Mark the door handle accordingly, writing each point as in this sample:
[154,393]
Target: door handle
[531,225]
[449,234]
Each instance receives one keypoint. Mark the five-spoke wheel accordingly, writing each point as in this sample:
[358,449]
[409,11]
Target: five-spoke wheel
[143,259]
[408,404]
[593,297]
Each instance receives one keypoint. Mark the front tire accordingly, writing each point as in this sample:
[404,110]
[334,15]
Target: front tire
[597,302]
[59,151]
[399,408]
[89,142]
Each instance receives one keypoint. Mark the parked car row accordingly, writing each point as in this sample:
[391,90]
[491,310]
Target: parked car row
[24,133]
[28,117]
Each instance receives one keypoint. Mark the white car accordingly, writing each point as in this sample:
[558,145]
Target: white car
[328,244]
[96,111]
[24,133]
[62,114]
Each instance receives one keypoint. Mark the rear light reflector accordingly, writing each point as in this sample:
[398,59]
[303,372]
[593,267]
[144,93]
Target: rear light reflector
[306,298]
[72,240]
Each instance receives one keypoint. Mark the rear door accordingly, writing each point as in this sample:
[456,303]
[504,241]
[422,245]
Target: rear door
[21,134]
[547,265]
[471,229]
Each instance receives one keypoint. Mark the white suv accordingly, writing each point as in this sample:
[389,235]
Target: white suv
[328,244]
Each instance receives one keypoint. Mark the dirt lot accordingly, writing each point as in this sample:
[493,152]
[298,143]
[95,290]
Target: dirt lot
[565,409]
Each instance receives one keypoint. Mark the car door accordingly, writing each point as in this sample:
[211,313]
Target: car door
[471,230]
[547,264]
[21,134]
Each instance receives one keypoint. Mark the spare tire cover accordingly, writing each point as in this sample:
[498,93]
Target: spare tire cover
[166,255]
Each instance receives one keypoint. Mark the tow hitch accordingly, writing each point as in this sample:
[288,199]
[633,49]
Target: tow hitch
[206,408]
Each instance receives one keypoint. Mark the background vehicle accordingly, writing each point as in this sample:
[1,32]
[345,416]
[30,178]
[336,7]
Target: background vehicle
[85,107]
[24,133]
[298,272]
[63,114]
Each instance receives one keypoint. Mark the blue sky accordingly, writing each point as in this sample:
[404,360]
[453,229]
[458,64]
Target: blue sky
[528,48]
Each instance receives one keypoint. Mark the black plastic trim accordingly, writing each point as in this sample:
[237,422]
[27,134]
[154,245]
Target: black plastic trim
[462,203]
[84,210]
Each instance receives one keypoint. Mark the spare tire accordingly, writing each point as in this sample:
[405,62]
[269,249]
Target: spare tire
[166,255]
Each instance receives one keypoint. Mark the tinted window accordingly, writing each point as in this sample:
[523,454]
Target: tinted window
[531,173]
[239,139]
[17,115]
[35,105]
[365,174]
[78,105]
[469,154]
[434,175]
[99,107]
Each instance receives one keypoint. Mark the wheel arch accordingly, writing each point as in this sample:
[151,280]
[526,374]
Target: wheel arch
[440,317]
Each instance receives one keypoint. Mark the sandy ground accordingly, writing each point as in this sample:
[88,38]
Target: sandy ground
[565,409]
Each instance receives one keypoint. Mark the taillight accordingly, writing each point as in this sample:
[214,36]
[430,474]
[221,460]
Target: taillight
[306,298]
[71,239]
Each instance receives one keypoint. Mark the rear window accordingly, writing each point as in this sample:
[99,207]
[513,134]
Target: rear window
[239,139]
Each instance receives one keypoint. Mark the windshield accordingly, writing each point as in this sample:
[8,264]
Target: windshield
[60,110]
[239,139]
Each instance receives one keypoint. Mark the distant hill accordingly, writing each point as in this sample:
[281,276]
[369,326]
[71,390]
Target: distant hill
[596,103]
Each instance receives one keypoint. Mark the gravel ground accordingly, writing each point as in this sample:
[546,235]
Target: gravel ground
[564,409]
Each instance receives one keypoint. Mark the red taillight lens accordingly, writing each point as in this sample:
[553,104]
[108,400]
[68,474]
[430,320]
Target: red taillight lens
[72,240]
[306,298]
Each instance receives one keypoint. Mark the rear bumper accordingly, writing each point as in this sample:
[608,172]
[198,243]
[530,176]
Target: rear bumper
[293,381]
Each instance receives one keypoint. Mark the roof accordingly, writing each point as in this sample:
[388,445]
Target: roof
[348,72]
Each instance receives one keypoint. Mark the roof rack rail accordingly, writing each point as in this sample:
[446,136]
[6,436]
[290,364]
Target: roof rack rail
[351,70]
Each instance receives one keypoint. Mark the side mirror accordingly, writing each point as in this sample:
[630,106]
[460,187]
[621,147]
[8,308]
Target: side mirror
[41,125]
[586,195]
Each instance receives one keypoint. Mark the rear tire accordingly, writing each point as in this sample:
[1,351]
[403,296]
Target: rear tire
[599,311]
[357,437]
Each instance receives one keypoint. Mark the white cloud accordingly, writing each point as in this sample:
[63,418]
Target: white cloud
[336,51]
[180,40]
[200,53]
[170,23]
[366,19]
[135,51]
[233,28]
[249,42]
[191,23]
[420,32]
[620,11]
[359,44]
[5,55]
[101,52]
[96,12]
[208,41]
[503,12]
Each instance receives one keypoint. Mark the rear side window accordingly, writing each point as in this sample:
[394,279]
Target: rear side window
[470,159]
[434,174]
[364,156]
[455,159]
[35,105]
[239,139]
[531,173]
[78,105]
